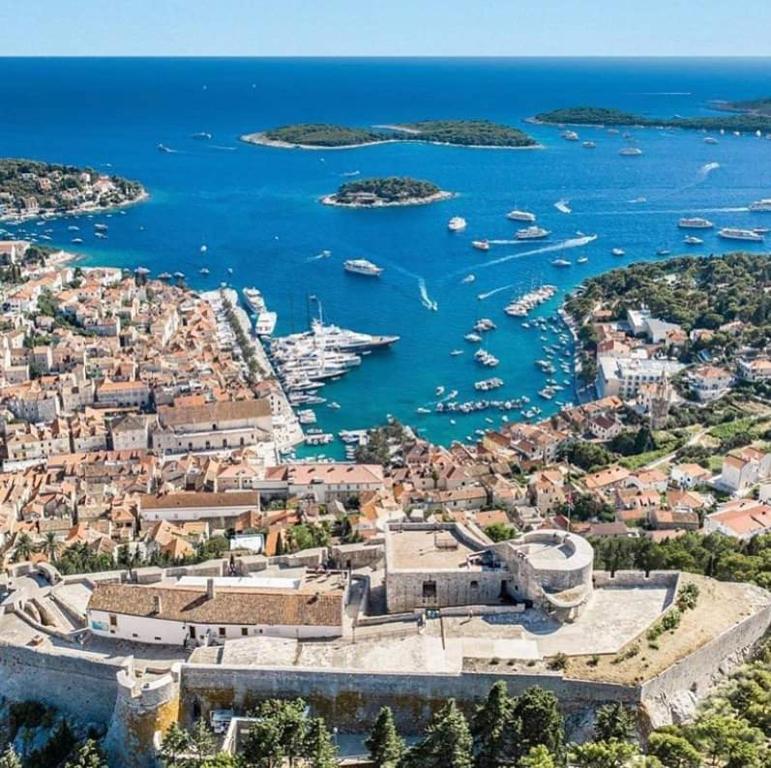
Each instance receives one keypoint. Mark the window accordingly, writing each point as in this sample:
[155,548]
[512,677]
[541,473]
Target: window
[429,590]
[113,620]
[474,585]
[222,631]
[244,631]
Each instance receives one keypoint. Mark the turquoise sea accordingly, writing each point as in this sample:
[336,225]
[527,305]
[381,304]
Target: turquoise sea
[256,208]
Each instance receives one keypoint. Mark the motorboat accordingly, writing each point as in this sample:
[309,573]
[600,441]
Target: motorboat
[457,224]
[618,251]
[362,267]
[532,233]
[734,233]
[694,223]
[481,245]
[517,215]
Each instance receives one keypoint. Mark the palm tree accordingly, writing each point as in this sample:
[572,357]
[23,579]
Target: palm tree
[51,546]
[23,547]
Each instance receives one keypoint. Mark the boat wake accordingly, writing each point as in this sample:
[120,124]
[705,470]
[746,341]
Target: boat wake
[575,242]
[425,299]
[706,169]
[488,294]
[223,147]
[505,242]
[674,211]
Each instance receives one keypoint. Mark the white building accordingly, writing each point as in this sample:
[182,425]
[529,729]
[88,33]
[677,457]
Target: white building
[224,608]
[624,376]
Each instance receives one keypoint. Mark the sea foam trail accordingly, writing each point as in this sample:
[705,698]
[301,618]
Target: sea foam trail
[675,211]
[488,294]
[701,176]
[425,299]
[575,242]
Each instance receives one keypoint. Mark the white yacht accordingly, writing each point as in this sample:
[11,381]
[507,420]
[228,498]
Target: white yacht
[457,224]
[362,267]
[695,223]
[761,206]
[561,263]
[481,245]
[582,260]
[618,251]
[589,145]
[630,152]
[517,215]
[563,205]
[532,233]
[570,136]
[253,299]
[692,240]
[733,233]
[710,140]
[469,278]
[265,323]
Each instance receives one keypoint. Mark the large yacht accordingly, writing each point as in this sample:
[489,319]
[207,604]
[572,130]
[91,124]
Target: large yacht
[695,223]
[254,300]
[344,340]
[517,215]
[532,233]
[362,267]
[761,206]
[265,323]
[733,233]
[456,224]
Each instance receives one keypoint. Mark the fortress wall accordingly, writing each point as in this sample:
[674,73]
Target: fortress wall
[83,688]
[668,579]
[697,673]
[351,701]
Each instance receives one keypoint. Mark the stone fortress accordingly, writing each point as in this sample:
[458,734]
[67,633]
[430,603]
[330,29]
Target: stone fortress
[427,612]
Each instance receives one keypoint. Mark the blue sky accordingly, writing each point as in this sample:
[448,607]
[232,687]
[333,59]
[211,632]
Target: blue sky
[385,27]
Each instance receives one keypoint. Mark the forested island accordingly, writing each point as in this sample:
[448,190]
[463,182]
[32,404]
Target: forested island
[30,188]
[389,191]
[604,116]
[760,106]
[465,133]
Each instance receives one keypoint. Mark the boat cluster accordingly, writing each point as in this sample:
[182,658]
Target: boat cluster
[475,406]
[304,362]
[523,305]
[483,357]
[485,385]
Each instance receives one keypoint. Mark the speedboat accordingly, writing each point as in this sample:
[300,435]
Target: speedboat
[663,252]
[457,224]
[582,260]
[563,206]
[202,136]
[710,140]
[456,352]
[164,148]
[203,271]
[630,152]
[733,233]
[761,206]
[561,263]
[481,245]
[469,279]
[618,251]
[570,136]
[692,240]
[589,145]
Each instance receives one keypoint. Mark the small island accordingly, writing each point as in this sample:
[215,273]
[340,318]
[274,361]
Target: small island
[461,133]
[30,188]
[603,116]
[382,192]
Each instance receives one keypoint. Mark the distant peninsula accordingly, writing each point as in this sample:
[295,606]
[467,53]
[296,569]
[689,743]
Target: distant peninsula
[760,106]
[30,188]
[747,121]
[388,191]
[461,133]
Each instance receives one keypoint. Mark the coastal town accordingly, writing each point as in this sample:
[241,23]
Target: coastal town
[153,522]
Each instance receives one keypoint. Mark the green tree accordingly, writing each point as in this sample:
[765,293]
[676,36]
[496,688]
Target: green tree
[385,745]
[614,721]
[175,743]
[320,752]
[674,751]
[494,729]
[538,757]
[51,546]
[22,547]
[88,755]
[448,742]
[729,741]
[540,722]
[603,754]
[279,734]
[9,758]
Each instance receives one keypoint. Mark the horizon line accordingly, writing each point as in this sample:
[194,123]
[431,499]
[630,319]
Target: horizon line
[758,57]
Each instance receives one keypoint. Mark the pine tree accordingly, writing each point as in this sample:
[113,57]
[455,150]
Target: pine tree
[89,755]
[385,745]
[537,757]
[9,759]
[614,721]
[320,752]
[495,729]
[540,722]
[175,742]
[448,742]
